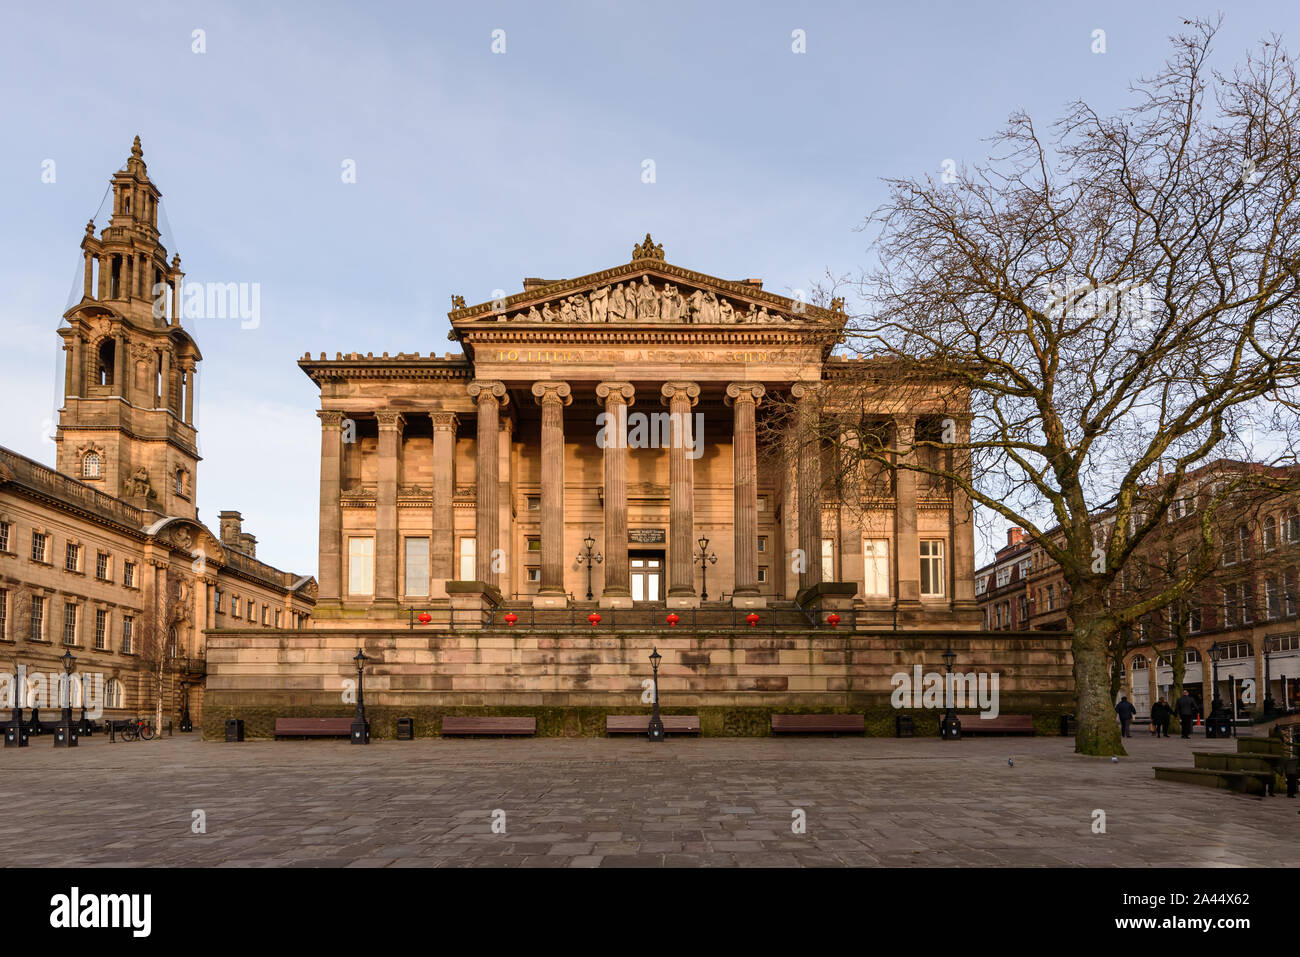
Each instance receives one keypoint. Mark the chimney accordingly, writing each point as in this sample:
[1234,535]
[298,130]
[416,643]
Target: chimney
[231,528]
[1015,536]
[248,544]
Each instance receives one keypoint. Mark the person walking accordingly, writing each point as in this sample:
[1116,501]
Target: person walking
[1160,714]
[1187,710]
[1126,711]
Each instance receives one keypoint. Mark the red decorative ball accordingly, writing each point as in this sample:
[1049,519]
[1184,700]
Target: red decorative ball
[424,618]
[673,620]
[752,619]
[832,619]
[594,619]
[510,618]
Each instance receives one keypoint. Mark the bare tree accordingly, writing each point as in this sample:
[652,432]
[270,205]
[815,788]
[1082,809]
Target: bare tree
[1119,301]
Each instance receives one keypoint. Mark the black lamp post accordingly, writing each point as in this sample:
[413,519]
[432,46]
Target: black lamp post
[186,724]
[16,733]
[656,722]
[1216,726]
[65,735]
[705,560]
[586,558]
[1269,706]
[360,726]
[950,727]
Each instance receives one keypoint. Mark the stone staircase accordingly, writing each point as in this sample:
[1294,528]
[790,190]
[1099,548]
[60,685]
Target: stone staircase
[1259,767]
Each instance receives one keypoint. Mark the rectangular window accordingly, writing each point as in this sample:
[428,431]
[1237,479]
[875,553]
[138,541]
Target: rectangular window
[828,559]
[266,615]
[128,574]
[38,547]
[219,601]
[1288,591]
[234,606]
[69,623]
[361,566]
[1270,532]
[36,629]
[277,617]
[252,613]
[875,567]
[762,544]
[71,557]
[1272,598]
[128,633]
[1024,610]
[534,575]
[101,629]
[1293,526]
[101,566]
[467,560]
[762,575]
[4,536]
[534,503]
[1051,598]
[1229,606]
[932,568]
[1194,618]
[534,544]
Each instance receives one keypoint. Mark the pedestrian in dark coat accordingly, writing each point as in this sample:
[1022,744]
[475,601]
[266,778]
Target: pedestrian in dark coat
[1187,711]
[1126,711]
[1160,715]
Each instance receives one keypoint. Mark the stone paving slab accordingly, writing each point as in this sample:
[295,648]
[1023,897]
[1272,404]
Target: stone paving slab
[627,803]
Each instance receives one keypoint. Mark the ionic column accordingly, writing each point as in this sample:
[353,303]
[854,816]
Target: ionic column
[165,386]
[389,467]
[680,397]
[744,398]
[961,531]
[442,552]
[617,592]
[907,546]
[89,276]
[808,439]
[105,268]
[553,397]
[490,396]
[331,514]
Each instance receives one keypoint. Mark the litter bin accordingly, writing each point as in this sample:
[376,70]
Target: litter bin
[405,729]
[903,727]
[234,729]
[1068,727]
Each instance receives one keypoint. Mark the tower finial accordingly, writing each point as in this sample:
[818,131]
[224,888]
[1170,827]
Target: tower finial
[135,148]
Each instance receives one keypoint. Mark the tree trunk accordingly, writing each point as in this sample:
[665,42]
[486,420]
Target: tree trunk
[1098,730]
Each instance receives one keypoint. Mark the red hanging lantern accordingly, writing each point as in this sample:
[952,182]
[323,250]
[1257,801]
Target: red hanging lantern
[673,620]
[424,618]
[594,619]
[510,618]
[832,619]
[752,619]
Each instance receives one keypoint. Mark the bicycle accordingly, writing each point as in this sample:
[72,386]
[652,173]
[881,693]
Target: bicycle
[137,729]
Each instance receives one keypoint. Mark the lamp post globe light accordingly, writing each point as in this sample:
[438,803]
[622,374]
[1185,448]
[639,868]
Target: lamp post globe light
[705,560]
[65,735]
[16,732]
[950,727]
[586,558]
[1269,707]
[360,726]
[656,730]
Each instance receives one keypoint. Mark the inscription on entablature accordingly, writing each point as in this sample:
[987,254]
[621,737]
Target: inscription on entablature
[709,356]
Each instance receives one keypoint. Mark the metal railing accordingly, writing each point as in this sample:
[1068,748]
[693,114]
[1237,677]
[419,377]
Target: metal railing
[589,617]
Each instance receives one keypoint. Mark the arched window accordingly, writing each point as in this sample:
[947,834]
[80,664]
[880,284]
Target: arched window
[180,481]
[90,465]
[107,362]
[114,693]
[1139,662]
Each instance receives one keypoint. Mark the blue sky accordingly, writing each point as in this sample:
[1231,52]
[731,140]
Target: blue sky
[475,169]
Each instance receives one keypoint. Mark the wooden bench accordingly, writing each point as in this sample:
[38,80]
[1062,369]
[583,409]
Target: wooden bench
[819,724]
[313,727]
[495,726]
[1002,724]
[640,723]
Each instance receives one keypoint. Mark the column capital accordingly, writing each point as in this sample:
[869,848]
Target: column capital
[330,417]
[807,390]
[741,390]
[444,421]
[390,419]
[481,389]
[558,390]
[670,390]
[616,391]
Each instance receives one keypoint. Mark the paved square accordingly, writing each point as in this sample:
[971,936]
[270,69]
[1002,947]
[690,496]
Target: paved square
[610,803]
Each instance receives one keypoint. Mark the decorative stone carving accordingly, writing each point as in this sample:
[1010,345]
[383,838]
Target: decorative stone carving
[138,483]
[648,250]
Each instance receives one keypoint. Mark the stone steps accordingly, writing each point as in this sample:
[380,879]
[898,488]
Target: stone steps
[1226,761]
[1243,782]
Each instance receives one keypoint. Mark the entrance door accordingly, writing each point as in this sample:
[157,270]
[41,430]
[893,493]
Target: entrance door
[647,576]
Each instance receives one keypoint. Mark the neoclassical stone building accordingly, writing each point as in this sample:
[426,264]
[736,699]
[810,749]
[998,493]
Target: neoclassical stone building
[512,526]
[104,555]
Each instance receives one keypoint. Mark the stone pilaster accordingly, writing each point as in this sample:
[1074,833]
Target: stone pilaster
[442,553]
[553,397]
[680,397]
[120,367]
[490,397]
[330,576]
[78,366]
[389,468]
[617,592]
[907,545]
[961,530]
[164,401]
[808,456]
[744,398]
[188,372]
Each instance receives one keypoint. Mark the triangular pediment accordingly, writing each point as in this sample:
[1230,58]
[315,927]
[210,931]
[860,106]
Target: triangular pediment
[645,292]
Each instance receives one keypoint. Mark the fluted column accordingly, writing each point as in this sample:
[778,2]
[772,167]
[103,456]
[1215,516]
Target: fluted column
[680,397]
[329,577]
[617,592]
[553,397]
[808,439]
[389,468]
[906,540]
[442,553]
[490,396]
[961,530]
[744,398]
